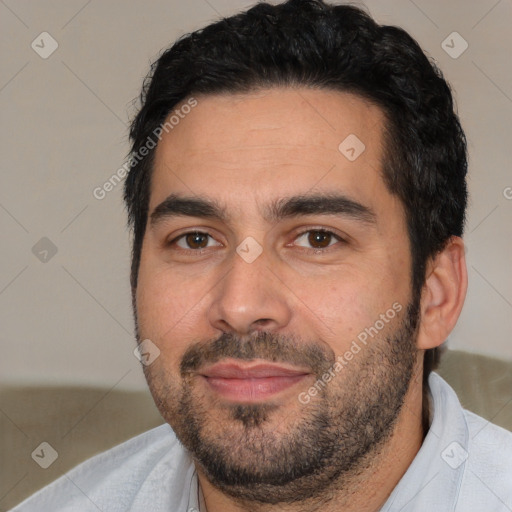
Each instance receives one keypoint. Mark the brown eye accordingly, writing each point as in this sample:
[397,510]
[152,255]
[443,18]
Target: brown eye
[317,239]
[195,240]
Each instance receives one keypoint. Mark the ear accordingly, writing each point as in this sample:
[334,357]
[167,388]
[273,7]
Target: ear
[443,294]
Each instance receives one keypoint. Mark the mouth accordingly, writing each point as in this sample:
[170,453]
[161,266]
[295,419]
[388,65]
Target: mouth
[251,381]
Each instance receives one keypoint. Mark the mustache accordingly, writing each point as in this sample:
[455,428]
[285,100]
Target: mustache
[263,345]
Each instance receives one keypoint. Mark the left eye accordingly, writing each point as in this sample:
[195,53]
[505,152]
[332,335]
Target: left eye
[196,240]
[317,239]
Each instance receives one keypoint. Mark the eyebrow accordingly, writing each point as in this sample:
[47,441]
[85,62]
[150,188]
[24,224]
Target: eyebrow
[179,206]
[321,204]
[294,206]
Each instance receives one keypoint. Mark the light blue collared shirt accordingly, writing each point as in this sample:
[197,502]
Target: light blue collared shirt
[464,465]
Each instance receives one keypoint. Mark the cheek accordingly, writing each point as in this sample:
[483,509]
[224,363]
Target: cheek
[341,306]
[345,312]
[169,308]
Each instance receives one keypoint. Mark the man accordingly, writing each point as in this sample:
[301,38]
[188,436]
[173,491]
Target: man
[297,265]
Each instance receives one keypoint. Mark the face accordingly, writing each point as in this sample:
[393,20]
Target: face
[275,281]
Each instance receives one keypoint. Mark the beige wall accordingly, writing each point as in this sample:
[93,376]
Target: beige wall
[64,127]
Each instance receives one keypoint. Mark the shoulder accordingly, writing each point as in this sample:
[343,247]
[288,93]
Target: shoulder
[475,463]
[490,446]
[487,481]
[490,440]
[115,479]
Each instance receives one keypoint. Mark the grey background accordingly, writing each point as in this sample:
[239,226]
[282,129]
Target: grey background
[67,320]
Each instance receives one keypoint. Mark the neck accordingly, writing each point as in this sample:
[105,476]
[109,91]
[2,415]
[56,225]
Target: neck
[364,491]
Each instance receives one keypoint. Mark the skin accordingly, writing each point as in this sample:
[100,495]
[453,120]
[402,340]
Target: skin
[245,152]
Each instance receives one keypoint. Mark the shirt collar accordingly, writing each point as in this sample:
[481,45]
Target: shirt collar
[196,499]
[433,479]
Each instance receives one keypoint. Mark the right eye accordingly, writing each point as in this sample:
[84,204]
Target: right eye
[194,240]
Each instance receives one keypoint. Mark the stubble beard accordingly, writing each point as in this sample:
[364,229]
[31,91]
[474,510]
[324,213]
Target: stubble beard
[253,454]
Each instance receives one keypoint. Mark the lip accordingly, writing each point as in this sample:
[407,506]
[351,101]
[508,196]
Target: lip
[251,381]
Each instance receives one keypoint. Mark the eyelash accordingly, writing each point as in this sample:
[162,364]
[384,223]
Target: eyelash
[324,231]
[199,252]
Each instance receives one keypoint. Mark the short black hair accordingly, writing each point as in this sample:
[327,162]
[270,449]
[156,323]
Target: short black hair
[309,43]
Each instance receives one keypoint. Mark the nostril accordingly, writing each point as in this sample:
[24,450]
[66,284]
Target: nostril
[262,322]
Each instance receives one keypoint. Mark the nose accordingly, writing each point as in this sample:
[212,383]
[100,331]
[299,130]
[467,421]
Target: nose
[250,298]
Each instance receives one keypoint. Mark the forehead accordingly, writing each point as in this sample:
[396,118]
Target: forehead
[272,143]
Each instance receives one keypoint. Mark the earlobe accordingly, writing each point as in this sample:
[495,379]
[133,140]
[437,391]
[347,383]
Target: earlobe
[443,294]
